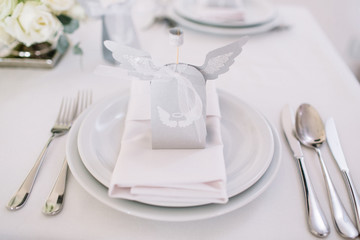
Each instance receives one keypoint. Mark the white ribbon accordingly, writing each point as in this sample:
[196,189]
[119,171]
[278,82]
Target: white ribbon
[189,101]
[141,65]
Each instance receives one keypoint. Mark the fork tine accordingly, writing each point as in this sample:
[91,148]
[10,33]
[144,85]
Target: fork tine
[67,112]
[79,100]
[90,99]
[72,112]
[85,99]
[60,110]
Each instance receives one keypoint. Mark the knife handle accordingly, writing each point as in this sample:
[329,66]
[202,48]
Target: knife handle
[315,216]
[354,197]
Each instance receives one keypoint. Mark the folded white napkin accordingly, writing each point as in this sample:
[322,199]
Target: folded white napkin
[168,176]
[220,14]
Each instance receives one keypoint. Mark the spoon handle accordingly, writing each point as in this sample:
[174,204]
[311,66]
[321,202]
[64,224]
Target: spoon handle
[343,223]
[316,218]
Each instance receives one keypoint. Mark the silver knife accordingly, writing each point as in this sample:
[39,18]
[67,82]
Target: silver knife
[335,147]
[315,216]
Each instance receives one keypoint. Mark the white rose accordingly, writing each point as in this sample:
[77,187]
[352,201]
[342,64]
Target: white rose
[76,12]
[5,38]
[31,23]
[6,8]
[59,6]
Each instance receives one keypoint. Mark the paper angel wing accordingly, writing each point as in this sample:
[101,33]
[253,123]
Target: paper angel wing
[219,60]
[137,62]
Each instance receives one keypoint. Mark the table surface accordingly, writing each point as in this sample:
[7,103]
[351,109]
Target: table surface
[286,67]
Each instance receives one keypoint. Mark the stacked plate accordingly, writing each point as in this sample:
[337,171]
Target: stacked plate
[245,18]
[251,151]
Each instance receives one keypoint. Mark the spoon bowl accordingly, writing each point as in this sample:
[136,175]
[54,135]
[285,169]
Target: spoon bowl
[309,127]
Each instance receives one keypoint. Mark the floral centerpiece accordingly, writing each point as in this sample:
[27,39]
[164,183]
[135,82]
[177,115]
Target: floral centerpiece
[41,23]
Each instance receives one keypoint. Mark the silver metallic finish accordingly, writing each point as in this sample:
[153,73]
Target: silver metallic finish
[55,201]
[334,144]
[316,219]
[62,126]
[311,132]
[336,149]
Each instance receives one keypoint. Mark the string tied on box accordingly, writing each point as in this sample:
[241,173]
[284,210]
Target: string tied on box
[138,63]
[189,102]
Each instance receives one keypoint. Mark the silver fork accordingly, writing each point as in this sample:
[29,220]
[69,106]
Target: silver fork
[55,201]
[62,126]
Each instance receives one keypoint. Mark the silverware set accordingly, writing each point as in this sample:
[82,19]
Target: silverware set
[69,110]
[308,128]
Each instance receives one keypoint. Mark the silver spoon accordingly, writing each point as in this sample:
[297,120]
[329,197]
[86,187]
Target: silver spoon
[311,132]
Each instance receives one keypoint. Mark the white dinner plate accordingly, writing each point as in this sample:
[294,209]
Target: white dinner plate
[253,30]
[247,137]
[174,214]
[255,12]
[100,192]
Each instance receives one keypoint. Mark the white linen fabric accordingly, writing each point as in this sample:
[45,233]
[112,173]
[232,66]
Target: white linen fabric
[168,176]
[220,14]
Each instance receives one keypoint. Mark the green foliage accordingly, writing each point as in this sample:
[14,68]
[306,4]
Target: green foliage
[77,49]
[62,44]
[70,24]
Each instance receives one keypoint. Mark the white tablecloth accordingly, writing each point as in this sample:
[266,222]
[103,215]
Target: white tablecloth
[288,67]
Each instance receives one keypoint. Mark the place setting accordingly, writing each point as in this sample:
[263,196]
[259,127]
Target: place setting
[173,147]
[232,17]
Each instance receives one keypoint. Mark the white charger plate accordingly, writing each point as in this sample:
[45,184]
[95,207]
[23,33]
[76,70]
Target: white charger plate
[100,192]
[256,12]
[247,137]
[250,30]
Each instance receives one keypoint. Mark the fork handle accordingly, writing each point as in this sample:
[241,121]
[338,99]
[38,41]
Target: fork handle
[55,201]
[20,197]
